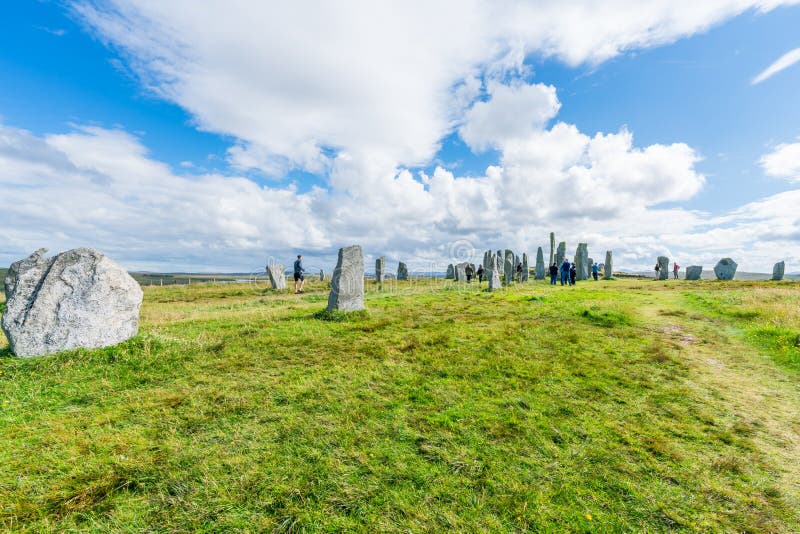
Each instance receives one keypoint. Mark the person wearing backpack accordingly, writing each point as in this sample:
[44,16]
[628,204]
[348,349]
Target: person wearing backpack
[553,274]
[657,268]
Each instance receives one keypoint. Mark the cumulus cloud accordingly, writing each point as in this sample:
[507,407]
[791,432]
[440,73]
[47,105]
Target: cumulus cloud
[783,161]
[784,62]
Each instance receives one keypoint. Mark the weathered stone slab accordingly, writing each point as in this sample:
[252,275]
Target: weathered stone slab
[76,299]
[663,263]
[402,271]
[561,253]
[725,269]
[539,273]
[347,283]
[380,269]
[451,272]
[694,272]
[778,270]
[509,267]
[493,274]
[552,248]
[321,275]
[525,274]
[582,262]
[277,275]
[461,272]
[608,268]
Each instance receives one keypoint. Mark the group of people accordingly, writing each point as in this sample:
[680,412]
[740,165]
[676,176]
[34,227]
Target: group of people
[471,272]
[568,273]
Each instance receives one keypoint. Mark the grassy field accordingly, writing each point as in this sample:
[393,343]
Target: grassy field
[618,405]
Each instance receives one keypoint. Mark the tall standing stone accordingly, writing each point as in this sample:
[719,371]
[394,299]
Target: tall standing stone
[539,275]
[321,275]
[561,253]
[493,273]
[693,272]
[380,269]
[402,271]
[725,269]
[277,276]
[582,262]
[76,299]
[552,248]
[778,271]
[663,264]
[608,268]
[461,272]
[451,272]
[347,283]
[508,267]
[525,274]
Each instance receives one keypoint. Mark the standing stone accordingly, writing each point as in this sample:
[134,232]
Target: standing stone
[693,272]
[561,253]
[77,299]
[321,275]
[402,271]
[608,268]
[461,272]
[277,276]
[663,272]
[778,270]
[509,267]
[725,269]
[451,272]
[589,265]
[552,248]
[494,273]
[539,275]
[347,283]
[582,262]
[380,269]
[523,277]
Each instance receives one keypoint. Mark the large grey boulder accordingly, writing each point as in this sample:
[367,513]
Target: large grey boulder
[380,269]
[402,271]
[663,263]
[694,272]
[525,274]
[582,262]
[493,274]
[778,270]
[561,253]
[461,272]
[539,273]
[347,283]
[451,272]
[725,269]
[509,267]
[277,276]
[77,299]
[608,268]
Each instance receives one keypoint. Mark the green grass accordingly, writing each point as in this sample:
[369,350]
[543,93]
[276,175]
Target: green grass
[612,406]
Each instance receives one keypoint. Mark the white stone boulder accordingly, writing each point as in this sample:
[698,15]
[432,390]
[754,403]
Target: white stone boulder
[347,283]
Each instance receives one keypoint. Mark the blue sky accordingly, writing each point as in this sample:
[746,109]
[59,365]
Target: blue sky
[76,84]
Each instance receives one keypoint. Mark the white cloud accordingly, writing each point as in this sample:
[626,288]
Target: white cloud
[783,161]
[784,62]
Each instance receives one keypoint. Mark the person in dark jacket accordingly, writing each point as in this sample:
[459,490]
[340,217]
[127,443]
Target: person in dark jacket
[573,273]
[469,270]
[299,279]
[519,272]
[553,274]
[595,271]
[480,273]
[565,273]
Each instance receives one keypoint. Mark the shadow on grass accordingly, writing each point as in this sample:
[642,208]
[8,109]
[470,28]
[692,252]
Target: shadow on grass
[6,353]
[336,316]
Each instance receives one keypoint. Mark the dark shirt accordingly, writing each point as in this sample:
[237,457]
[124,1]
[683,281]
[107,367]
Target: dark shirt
[565,266]
[553,270]
[298,267]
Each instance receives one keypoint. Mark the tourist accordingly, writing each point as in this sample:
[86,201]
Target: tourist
[469,270]
[519,271]
[675,268]
[299,279]
[480,273]
[595,271]
[553,274]
[657,268]
[565,273]
[573,274]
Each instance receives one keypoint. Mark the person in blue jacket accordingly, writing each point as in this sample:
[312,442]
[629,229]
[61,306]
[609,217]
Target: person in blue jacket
[565,272]
[299,279]
[595,271]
